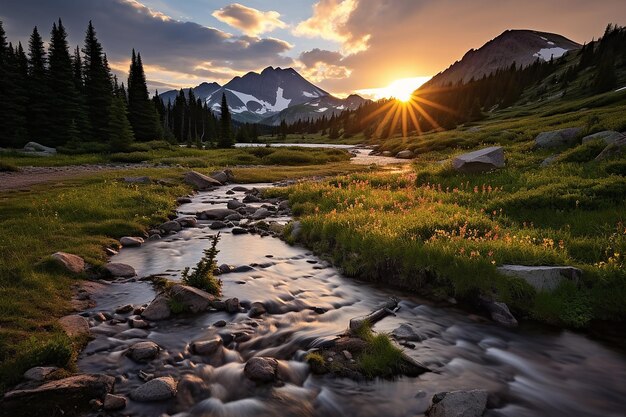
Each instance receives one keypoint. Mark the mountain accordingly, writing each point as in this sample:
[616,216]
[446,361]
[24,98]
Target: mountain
[315,109]
[203,91]
[522,47]
[264,97]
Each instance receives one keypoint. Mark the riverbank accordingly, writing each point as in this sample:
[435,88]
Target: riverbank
[81,216]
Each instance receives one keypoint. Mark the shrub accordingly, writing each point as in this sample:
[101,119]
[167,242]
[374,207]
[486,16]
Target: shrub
[201,276]
[381,357]
[583,153]
[132,157]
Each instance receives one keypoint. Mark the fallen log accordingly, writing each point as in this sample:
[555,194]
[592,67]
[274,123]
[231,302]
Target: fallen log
[375,316]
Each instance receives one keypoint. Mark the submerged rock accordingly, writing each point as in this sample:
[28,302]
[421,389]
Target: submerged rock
[157,389]
[480,161]
[458,404]
[73,263]
[206,347]
[256,309]
[183,200]
[261,369]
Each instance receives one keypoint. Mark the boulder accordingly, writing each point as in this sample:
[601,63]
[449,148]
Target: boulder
[127,308]
[296,229]
[250,198]
[608,136]
[68,396]
[499,312]
[114,402]
[131,241]
[183,200]
[187,221]
[206,347]
[261,213]
[72,263]
[216,225]
[194,299]
[542,278]
[256,309]
[239,231]
[191,390]
[233,217]
[38,148]
[408,332]
[387,153]
[232,305]
[216,214]
[74,325]
[481,160]
[549,160]
[261,369]
[119,270]
[143,351]
[157,389]
[240,188]
[458,404]
[234,204]
[39,373]
[406,154]
[138,324]
[158,309]
[223,176]
[558,138]
[200,181]
[614,149]
[171,226]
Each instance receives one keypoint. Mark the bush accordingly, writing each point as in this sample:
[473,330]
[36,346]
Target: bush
[132,157]
[201,276]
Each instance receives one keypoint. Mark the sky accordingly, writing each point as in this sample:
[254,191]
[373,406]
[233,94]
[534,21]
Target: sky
[343,46]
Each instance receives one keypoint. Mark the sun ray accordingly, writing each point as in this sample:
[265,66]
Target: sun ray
[388,116]
[426,116]
[414,119]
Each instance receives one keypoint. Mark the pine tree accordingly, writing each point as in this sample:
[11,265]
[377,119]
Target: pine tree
[13,73]
[98,90]
[141,111]
[120,130]
[64,110]
[81,121]
[225,139]
[38,92]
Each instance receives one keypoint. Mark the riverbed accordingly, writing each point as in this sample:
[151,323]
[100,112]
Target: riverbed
[530,371]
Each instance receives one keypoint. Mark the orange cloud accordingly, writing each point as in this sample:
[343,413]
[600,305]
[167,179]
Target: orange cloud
[250,21]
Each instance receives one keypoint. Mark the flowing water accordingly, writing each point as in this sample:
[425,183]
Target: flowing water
[531,371]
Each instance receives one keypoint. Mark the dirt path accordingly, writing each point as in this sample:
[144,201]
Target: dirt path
[29,176]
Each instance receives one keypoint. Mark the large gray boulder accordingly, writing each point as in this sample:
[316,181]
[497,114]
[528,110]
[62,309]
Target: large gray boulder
[407,154]
[119,270]
[216,214]
[260,214]
[558,138]
[193,299]
[458,404]
[200,181]
[614,149]
[480,161]
[171,226]
[224,176]
[158,309]
[68,396]
[542,278]
[39,149]
[73,263]
[157,389]
[234,204]
[608,136]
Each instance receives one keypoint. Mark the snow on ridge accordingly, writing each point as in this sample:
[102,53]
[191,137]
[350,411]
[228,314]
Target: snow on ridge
[620,89]
[310,95]
[281,102]
[321,109]
[547,53]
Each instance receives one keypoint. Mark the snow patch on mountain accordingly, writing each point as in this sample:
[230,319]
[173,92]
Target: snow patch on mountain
[310,95]
[547,53]
[281,102]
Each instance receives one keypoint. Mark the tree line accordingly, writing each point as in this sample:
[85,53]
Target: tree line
[71,99]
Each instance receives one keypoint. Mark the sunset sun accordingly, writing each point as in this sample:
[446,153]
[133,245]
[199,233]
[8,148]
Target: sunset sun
[400,89]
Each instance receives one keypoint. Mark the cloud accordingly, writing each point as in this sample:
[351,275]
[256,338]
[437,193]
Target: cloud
[319,65]
[250,21]
[329,22]
[314,56]
[179,50]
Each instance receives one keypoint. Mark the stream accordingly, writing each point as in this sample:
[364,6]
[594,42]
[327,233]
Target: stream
[530,371]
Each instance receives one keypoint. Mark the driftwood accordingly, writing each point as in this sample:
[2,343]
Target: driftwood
[375,316]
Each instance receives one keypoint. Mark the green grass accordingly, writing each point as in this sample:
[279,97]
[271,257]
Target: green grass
[381,358]
[312,138]
[7,167]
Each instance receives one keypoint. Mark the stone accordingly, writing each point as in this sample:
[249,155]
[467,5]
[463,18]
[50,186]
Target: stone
[458,404]
[220,323]
[240,188]
[131,241]
[234,204]
[119,270]
[256,309]
[73,263]
[408,332]
[250,198]
[206,347]
[216,214]
[261,213]
[191,390]
[239,231]
[158,309]
[406,154]
[171,226]
[74,325]
[137,180]
[38,148]
[614,149]
[224,176]
[296,229]
[143,351]
[608,136]
[114,402]
[39,373]
[233,217]
[549,160]
[124,309]
[217,225]
[242,268]
[346,354]
[157,389]
[261,369]
[187,221]
[499,312]
[232,305]
[558,138]
[200,181]
[183,200]
[481,160]
[194,299]
[67,396]
[225,268]
[542,278]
